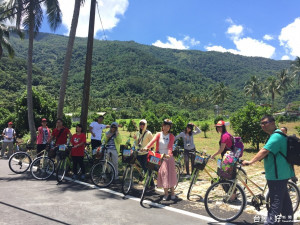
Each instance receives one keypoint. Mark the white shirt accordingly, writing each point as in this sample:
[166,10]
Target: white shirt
[97,130]
[163,143]
[9,132]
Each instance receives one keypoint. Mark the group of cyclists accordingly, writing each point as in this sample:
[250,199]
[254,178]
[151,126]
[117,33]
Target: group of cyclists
[144,141]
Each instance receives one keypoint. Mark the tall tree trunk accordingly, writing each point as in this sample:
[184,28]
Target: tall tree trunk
[29,79]
[64,78]
[273,98]
[88,68]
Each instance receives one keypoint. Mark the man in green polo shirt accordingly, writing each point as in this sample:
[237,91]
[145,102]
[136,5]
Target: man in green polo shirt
[277,174]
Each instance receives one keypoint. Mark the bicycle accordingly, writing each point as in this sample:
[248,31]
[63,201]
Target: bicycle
[129,157]
[20,161]
[103,172]
[200,164]
[226,200]
[43,167]
[153,165]
[64,162]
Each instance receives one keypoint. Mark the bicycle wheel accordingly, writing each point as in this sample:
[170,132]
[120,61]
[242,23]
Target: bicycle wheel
[146,186]
[223,203]
[193,181]
[19,162]
[61,170]
[127,180]
[177,168]
[294,195]
[102,174]
[42,168]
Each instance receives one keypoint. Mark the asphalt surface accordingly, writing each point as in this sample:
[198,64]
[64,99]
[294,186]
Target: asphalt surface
[24,200]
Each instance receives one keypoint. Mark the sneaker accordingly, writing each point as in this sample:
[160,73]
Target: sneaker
[165,197]
[82,177]
[173,197]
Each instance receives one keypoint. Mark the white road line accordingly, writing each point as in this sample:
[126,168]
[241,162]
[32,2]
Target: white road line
[198,216]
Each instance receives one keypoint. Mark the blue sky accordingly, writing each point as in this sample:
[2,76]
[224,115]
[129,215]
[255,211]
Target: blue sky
[264,28]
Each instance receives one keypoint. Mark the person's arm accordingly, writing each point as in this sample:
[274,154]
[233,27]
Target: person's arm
[107,126]
[3,133]
[221,149]
[170,145]
[118,138]
[197,130]
[69,134]
[91,131]
[179,136]
[259,156]
[81,143]
[150,144]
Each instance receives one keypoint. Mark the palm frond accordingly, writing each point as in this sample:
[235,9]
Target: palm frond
[5,43]
[53,13]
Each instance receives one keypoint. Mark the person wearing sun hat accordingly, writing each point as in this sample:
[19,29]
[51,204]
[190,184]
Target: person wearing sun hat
[113,139]
[43,136]
[8,134]
[225,142]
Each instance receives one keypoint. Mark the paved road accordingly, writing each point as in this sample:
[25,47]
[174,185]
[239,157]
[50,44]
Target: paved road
[24,200]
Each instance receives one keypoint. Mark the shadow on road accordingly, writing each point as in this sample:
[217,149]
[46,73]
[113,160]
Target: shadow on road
[33,213]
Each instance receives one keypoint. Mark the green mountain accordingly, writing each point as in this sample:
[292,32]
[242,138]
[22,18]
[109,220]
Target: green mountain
[127,74]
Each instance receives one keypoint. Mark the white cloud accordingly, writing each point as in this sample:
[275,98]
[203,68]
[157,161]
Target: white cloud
[268,37]
[173,43]
[252,47]
[110,11]
[235,30]
[246,46]
[285,57]
[290,36]
[219,48]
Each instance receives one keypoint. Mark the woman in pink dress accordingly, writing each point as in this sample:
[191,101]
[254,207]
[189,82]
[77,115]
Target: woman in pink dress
[164,140]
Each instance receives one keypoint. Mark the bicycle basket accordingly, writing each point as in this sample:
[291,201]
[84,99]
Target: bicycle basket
[63,151]
[99,153]
[129,156]
[200,162]
[153,161]
[52,152]
[227,168]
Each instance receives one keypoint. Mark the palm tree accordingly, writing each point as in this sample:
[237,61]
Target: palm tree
[285,80]
[272,88]
[64,78]
[253,88]
[220,94]
[296,68]
[88,67]
[30,15]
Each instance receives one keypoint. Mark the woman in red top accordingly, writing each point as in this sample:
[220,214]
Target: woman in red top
[225,140]
[78,140]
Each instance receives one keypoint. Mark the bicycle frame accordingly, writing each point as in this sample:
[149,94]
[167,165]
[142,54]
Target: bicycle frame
[242,177]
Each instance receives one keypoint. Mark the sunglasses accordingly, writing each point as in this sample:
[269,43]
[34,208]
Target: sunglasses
[142,124]
[113,127]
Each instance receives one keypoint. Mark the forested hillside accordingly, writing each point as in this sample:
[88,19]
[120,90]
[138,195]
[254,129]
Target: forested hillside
[127,74]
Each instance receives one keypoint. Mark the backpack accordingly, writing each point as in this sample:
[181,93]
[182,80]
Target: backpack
[237,146]
[293,149]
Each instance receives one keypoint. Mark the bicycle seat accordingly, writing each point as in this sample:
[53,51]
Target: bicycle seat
[87,144]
